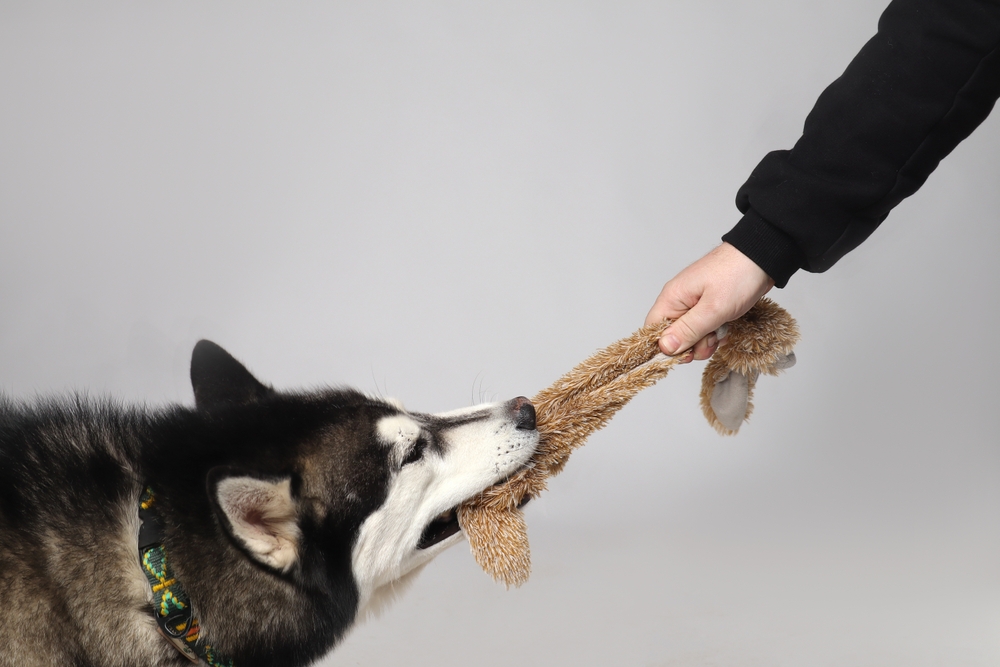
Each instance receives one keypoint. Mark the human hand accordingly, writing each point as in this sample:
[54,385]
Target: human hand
[716,289]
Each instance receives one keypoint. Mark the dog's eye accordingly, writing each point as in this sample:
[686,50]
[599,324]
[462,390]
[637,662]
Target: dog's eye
[417,452]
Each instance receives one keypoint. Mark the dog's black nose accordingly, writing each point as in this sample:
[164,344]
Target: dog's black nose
[524,413]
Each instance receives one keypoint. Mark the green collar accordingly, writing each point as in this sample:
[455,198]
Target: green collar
[172,607]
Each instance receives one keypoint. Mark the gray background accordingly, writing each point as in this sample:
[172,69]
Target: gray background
[455,202]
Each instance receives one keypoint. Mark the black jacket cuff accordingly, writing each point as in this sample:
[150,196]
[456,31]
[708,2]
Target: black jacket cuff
[767,246]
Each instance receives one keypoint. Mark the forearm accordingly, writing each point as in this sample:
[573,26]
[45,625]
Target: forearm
[919,87]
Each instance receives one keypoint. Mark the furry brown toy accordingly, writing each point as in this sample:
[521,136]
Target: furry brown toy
[585,399]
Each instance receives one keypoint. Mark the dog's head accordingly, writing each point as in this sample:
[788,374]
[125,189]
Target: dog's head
[332,490]
[438,462]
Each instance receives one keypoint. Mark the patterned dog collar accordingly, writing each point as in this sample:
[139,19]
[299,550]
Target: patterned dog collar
[172,607]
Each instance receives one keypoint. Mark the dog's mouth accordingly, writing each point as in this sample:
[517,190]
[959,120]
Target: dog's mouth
[440,529]
[446,525]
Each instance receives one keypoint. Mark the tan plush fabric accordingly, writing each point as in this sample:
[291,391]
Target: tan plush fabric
[759,342]
[586,398]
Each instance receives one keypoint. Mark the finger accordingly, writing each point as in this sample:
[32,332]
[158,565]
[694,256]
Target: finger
[706,347]
[661,311]
[670,304]
[689,329]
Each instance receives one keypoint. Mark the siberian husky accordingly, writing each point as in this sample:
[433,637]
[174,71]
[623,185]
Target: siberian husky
[253,529]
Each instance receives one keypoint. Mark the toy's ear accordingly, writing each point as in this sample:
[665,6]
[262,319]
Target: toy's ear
[259,515]
[727,393]
[760,341]
[730,399]
[218,379]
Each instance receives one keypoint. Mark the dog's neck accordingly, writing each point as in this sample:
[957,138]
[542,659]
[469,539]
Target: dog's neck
[172,608]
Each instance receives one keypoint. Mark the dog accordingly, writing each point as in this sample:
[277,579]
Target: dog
[253,529]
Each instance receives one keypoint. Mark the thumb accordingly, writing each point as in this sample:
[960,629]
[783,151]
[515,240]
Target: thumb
[694,325]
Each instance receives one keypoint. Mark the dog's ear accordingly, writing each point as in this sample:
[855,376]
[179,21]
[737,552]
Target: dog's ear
[259,515]
[218,379]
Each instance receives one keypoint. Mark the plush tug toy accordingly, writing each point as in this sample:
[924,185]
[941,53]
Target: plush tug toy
[585,399]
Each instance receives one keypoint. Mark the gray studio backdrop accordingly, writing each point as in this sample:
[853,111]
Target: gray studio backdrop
[456,202]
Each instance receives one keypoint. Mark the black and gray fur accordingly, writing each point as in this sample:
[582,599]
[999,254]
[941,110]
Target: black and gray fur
[71,473]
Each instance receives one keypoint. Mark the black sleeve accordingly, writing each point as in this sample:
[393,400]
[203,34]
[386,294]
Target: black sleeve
[921,85]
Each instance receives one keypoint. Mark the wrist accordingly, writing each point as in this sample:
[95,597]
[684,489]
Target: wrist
[773,251]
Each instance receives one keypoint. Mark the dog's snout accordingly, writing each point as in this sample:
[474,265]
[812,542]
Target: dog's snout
[524,413]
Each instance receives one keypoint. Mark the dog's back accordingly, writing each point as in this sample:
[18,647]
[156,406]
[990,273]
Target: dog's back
[69,484]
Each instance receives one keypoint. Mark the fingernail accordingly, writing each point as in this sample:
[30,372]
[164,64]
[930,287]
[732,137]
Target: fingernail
[711,340]
[669,343]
